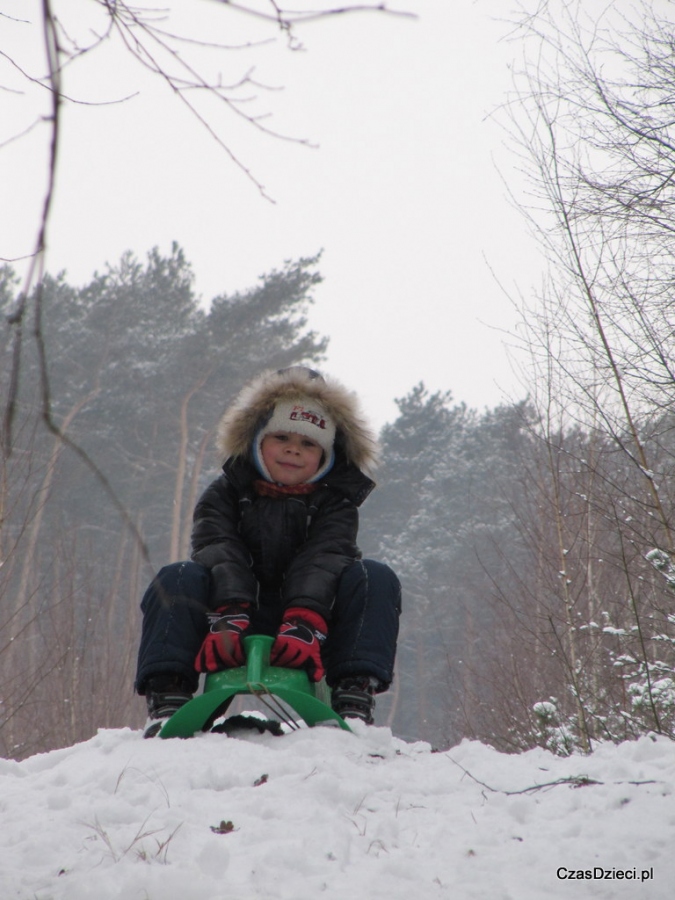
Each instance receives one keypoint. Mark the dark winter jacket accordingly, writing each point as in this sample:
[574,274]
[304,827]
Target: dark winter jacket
[293,547]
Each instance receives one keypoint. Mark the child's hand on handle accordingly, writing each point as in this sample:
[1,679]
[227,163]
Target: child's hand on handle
[299,641]
[223,647]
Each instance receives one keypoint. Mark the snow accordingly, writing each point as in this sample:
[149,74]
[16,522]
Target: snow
[324,813]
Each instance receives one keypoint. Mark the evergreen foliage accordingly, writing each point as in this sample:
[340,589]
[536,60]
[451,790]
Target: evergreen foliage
[444,516]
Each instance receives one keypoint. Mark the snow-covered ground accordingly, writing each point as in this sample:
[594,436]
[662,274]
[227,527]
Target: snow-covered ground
[321,813]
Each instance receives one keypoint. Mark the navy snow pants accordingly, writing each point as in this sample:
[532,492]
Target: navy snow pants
[361,638]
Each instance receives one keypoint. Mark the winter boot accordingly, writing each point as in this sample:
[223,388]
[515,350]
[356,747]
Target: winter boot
[354,697]
[164,695]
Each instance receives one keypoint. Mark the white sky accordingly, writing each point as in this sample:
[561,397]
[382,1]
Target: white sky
[403,193]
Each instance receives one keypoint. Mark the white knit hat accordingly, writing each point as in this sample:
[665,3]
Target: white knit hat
[301,416]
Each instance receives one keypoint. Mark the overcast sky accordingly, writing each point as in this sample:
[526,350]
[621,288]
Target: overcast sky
[402,190]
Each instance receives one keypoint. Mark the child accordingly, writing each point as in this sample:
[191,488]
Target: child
[274,552]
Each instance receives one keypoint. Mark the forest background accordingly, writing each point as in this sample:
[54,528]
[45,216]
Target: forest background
[534,540]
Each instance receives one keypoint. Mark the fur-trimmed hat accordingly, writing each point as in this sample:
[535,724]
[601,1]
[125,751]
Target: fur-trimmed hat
[305,393]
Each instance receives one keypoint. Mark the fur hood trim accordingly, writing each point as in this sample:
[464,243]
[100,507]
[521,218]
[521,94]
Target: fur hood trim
[255,404]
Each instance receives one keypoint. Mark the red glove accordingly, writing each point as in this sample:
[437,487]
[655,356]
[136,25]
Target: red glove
[223,647]
[299,641]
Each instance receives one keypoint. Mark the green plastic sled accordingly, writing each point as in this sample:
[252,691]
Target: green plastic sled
[277,689]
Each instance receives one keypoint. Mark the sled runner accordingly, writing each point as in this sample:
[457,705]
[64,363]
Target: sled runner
[276,688]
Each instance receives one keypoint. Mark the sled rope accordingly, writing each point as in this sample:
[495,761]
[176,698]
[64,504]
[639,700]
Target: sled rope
[274,705]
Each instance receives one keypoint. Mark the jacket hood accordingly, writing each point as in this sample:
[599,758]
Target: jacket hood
[255,404]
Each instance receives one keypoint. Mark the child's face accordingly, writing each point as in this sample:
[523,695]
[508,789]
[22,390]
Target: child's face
[290,458]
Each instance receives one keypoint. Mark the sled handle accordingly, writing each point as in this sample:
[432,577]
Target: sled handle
[257,648]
